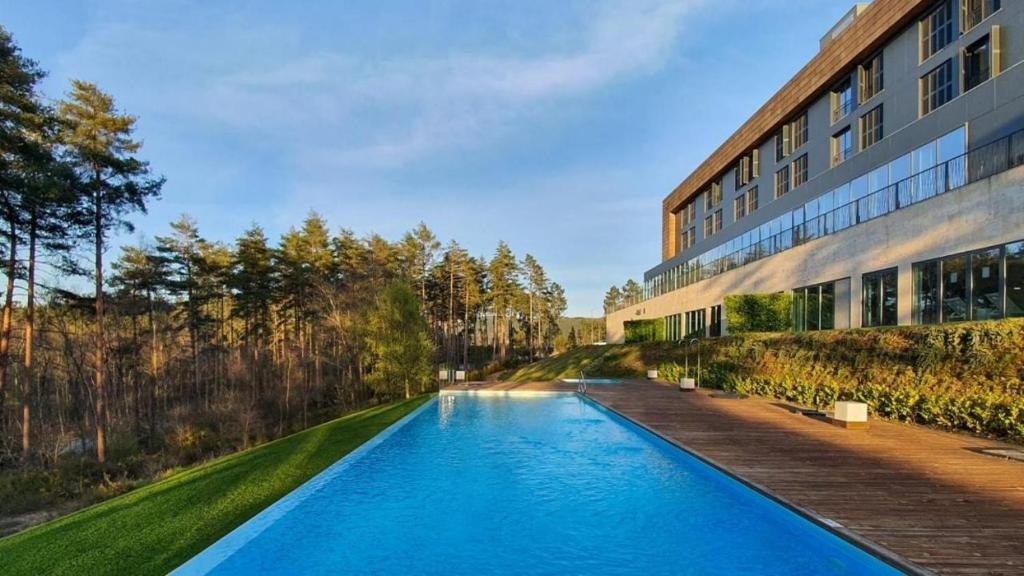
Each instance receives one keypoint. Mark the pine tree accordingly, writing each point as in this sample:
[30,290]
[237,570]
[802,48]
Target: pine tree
[503,272]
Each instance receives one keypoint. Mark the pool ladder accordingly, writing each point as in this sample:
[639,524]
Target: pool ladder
[581,384]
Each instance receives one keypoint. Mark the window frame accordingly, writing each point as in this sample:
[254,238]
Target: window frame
[928,32]
[988,8]
[1002,269]
[835,148]
[798,173]
[782,176]
[881,302]
[986,41]
[752,200]
[929,92]
[868,69]
[876,131]
[837,108]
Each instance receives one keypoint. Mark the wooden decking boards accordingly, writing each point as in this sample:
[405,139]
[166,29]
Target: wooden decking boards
[928,496]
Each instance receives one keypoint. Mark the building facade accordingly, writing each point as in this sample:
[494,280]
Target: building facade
[882,185]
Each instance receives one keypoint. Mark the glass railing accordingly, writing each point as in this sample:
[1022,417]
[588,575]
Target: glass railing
[977,164]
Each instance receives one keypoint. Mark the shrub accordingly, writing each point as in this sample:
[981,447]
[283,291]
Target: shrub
[758,312]
[652,330]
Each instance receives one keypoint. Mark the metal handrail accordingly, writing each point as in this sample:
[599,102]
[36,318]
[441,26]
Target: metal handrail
[982,162]
[581,384]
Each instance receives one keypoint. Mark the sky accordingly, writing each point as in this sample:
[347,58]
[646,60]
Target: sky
[558,127]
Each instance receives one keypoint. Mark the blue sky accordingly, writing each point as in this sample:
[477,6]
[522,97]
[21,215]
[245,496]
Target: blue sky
[556,126]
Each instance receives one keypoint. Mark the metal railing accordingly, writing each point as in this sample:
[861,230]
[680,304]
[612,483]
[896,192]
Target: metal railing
[581,385]
[980,163]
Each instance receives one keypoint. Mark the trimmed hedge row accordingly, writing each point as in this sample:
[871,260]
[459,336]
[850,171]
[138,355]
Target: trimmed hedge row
[959,376]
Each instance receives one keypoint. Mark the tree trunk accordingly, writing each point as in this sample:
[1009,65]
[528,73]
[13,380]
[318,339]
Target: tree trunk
[30,318]
[101,412]
[8,312]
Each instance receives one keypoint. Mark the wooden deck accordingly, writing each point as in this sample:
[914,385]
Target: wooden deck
[927,496]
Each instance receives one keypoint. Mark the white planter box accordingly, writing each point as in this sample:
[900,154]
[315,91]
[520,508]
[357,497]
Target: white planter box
[652,374]
[442,375]
[687,384]
[460,375]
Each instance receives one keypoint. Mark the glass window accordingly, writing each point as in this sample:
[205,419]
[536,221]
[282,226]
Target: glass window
[878,179]
[842,100]
[800,309]
[972,12]
[859,188]
[1015,279]
[936,29]
[739,207]
[782,181]
[924,158]
[954,289]
[926,293]
[828,306]
[871,78]
[871,127]
[899,169]
[752,200]
[842,146]
[798,131]
[952,145]
[814,307]
[782,143]
[715,330]
[937,87]
[976,63]
[800,171]
[985,297]
[879,298]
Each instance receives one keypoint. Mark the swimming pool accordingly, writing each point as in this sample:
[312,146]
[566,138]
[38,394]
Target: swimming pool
[527,484]
[590,381]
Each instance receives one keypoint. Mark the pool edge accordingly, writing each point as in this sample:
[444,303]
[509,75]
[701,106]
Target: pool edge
[861,542]
[207,559]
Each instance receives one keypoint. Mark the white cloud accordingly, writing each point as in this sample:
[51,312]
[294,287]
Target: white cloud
[423,106]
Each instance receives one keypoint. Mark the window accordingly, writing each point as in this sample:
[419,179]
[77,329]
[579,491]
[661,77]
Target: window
[741,173]
[954,289]
[689,237]
[755,163]
[782,148]
[798,132]
[879,298]
[986,300]
[782,181]
[972,12]
[800,171]
[689,213]
[674,327]
[842,100]
[695,324]
[937,87]
[739,207]
[842,146]
[1015,279]
[814,307]
[713,195]
[715,329]
[712,223]
[983,285]
[871,78]
[926,293]
[752,200]
[936,30]
[871,127]
[977,63]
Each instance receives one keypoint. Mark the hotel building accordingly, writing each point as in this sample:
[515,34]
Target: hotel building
[882,185]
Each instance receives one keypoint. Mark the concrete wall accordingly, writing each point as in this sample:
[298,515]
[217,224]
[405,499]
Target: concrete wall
[982,214]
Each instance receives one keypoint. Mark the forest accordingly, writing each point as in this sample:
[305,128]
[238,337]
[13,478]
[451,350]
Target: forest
[180,348]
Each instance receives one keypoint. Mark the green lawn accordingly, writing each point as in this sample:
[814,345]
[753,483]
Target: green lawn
[154,529]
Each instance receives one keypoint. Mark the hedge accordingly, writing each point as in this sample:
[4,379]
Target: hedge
[957,376]
[652,330]
[758,312]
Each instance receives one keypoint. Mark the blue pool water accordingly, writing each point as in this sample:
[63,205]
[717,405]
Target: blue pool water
[503,484]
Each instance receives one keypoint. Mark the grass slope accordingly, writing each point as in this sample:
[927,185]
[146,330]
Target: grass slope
[154,529]
[622,361]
